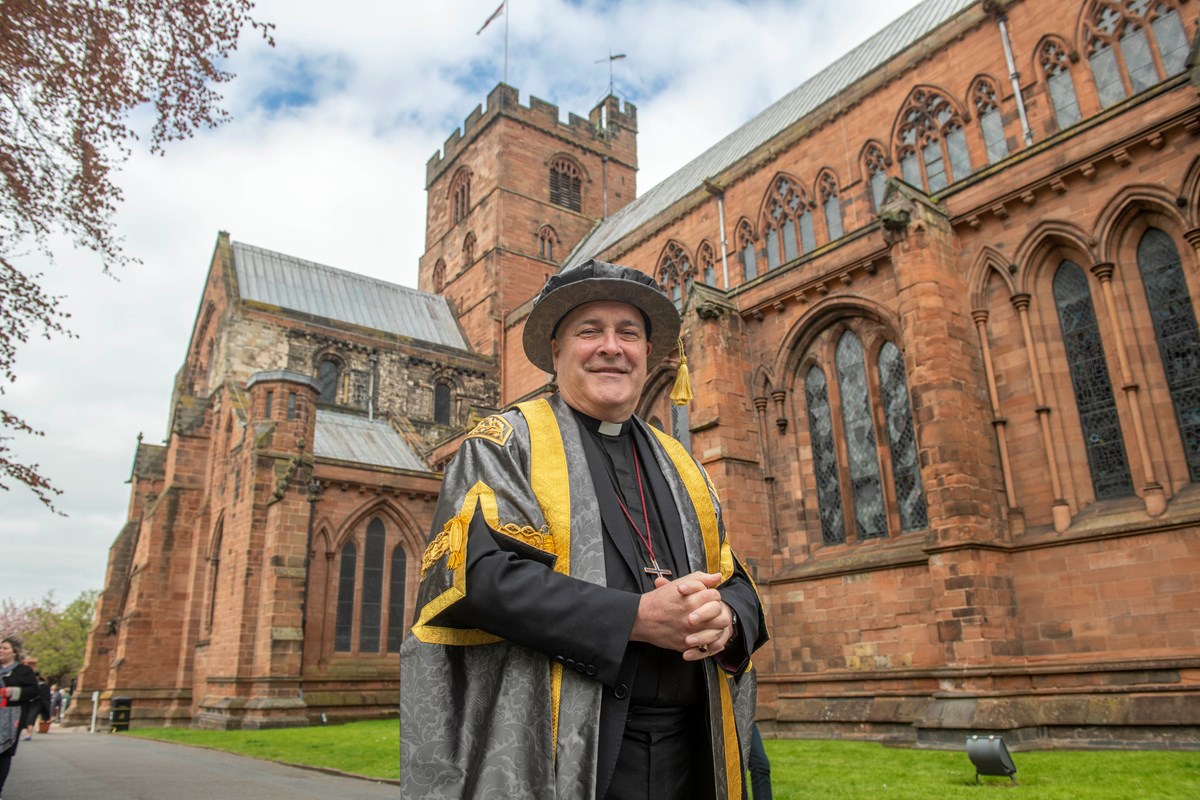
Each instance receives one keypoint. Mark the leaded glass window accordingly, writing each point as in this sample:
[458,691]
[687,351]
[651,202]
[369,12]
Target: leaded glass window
[1057,67]
[876,163]
[327,381]
[343,631]
[825,464]
[708,263]
[902,440]
[808,234]
[788,223]
[371,609]
[1098,418]
[1121,37]
[441,403]
[932,126]
[772,248]
[1175,329]
[396,577]
[991,124]
[674,269]
[859,430]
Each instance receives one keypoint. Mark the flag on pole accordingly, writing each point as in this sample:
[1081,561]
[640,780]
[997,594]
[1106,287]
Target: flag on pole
[499,10]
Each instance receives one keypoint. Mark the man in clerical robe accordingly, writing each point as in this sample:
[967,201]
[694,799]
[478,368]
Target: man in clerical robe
[583,629]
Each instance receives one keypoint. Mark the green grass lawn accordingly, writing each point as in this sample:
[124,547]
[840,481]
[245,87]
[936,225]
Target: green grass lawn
[800,769]
[362,748]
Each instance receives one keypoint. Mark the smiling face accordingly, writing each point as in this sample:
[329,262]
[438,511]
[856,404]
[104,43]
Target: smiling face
[600,353]
[7,654]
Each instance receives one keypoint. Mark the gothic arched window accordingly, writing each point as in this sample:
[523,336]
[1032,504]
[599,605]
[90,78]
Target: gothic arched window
[396,582]
[343,629]
[675,272]
[788,222]
[931,145]
[460,195]
[853,497]
[441,403]
[439,275]
[991,123]
[1175,330]
[1133,45]
[827,188]
[1093,389]
[875,164]
[547,239]
[1056,66]
[707,258]
[469,248]
[745,243]
[371,603]
[328,375]
[565,184]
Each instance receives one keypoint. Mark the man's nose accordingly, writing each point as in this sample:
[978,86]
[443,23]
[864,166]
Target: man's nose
[609,342]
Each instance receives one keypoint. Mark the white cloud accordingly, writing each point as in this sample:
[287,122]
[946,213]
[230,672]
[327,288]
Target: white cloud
[338,178]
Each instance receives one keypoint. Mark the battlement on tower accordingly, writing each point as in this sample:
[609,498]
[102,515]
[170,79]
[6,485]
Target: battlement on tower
[604,126]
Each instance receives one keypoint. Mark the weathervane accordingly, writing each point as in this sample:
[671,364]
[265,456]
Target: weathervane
[611,58]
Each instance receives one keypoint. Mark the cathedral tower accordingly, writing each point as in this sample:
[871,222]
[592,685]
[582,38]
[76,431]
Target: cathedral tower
[511,194]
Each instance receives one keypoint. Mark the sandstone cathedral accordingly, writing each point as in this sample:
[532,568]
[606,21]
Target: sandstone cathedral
[940,309]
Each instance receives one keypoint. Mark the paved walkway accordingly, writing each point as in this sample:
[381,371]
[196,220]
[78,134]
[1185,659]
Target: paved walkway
[71,764]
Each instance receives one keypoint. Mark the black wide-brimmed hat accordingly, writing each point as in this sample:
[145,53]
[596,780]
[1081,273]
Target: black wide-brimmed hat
[587,283]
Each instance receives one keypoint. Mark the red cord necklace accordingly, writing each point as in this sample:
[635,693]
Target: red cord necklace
[654,569]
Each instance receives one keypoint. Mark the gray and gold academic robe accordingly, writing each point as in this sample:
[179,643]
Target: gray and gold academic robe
[485,717]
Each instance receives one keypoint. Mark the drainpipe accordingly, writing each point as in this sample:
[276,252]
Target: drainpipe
[604,182]
[715,188]
[1015,77]
[374,359]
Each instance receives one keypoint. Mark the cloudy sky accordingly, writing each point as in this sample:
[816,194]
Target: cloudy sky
[325,160]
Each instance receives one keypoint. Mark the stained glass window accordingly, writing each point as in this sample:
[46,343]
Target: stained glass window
[1172,41]
[825,465]
[991,124]
[343,631]
[930,125]
[370,615]
[788,223]
[865,483]
[746,244]
[772,248]
[1093,389]
[708,263]
[877,168]
[808,234]
[902,441]
[1175,329]
[1121,37]
[396,599]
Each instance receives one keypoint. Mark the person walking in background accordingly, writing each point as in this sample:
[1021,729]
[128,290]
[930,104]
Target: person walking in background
[18,686]
[66,701]
[760,767]
[39,705]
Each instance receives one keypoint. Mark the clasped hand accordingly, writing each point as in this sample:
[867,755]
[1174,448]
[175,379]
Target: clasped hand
[685,614]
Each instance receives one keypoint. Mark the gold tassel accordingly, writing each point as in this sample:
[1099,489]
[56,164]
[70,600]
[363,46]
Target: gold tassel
[681,395]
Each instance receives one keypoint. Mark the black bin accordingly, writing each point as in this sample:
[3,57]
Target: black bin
[120,713]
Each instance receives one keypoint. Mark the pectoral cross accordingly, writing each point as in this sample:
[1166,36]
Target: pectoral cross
[655,570]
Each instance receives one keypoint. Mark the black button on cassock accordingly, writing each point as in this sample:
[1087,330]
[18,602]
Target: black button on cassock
[591,669]
[621,691]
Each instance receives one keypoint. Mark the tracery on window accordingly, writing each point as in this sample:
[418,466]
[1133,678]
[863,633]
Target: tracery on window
[547,241]
[745,244]
[1056,66]
[930,142]
[1097,408]
[469,248]
[1176,333]
[875,163]
[1132,45]
[566,184]
[875,422]
[787,222]
[991,122]
[674,272]
[460,195]
[706,256]
[439,275]
[827,188]
[328,379]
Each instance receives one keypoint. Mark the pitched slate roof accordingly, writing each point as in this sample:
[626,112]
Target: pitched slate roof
[791,108]
[349,437]
[309,288]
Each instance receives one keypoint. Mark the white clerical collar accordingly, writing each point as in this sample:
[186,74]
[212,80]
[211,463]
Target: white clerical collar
[610,428]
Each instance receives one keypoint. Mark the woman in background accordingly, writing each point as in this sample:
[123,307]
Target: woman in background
[19,687]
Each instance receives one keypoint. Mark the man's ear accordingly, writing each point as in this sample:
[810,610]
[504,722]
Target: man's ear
[554,353]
